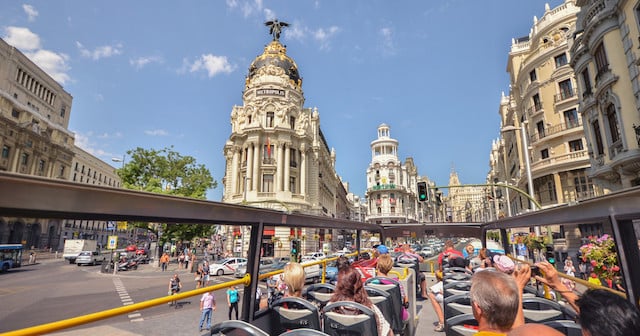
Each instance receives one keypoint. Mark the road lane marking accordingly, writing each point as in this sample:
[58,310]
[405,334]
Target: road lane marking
[126,300]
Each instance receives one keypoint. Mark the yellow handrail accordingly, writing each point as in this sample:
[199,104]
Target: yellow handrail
[84,319]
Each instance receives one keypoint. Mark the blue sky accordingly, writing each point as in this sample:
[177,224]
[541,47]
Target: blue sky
[154,74]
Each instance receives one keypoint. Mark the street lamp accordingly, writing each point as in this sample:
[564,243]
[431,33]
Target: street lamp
[525,145]
[117,159]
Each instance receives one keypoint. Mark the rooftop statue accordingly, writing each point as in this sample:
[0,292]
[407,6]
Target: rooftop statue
[275,27]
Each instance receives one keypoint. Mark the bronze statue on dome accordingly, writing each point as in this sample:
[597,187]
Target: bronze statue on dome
[275,27]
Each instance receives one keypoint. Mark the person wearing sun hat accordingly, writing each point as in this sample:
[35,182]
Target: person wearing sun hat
[382,249]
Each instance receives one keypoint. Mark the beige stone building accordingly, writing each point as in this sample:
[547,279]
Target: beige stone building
[543,103]
[466,204]
[605,55]
[277,156]
[391,185]
[34,118]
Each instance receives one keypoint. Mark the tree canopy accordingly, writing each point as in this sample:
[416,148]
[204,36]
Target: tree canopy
[166,171]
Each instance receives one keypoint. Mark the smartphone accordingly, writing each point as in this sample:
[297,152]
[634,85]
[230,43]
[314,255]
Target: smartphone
[535,271]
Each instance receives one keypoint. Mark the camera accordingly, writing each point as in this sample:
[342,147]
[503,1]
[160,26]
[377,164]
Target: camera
[535,270]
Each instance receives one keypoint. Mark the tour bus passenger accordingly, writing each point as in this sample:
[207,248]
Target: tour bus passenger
[350,288]
[294,278]
[600,311]
[436,296]
[495,302]
[534,329]
[408,254]
[385,264]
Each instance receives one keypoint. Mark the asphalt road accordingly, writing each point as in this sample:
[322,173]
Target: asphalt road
[55,290]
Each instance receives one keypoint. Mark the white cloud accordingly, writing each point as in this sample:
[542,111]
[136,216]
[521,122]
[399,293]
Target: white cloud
[156,132]
[84,141]
[21,38]
[388,47]
[52,63]
[100,52]
[212,64]
[31,12]
[141,62]
[247,7]
[324,36]
[295,31]
[116,135]
[269,14]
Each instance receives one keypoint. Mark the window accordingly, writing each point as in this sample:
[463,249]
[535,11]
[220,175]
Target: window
[63,110]
[571,118]
[537,104]
[5,151]
[600,56]
[597,136]
[561,60]
[267,183]
[61,171]
[533,76]
[575,145]
[544,154]
[248,119]
[24,159]
[293,158]
[269,119]
[292,122]
[393,210]
[379,210]
[41,164]
[613,123]
[545,189]
[540,128]
[586,80]
[566,90]
[292,184]
[15,113]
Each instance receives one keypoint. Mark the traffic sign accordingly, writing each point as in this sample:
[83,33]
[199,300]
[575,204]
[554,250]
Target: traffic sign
[113,242]
[111,225]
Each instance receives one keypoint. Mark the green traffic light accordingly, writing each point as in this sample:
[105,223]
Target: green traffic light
[423,197]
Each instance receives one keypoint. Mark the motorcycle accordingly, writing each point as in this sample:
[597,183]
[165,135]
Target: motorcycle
[126,265]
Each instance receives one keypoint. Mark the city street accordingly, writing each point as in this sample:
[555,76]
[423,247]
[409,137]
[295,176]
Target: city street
[55,290]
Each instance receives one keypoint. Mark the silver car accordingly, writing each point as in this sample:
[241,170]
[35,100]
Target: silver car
[89,258]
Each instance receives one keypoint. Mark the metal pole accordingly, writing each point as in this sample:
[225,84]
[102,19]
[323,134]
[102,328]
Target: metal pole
[508,202]
[495,202]
[527,162]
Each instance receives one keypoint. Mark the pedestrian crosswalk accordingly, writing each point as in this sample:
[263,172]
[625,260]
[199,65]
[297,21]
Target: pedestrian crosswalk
[135,316]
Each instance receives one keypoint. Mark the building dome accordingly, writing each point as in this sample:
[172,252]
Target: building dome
[275,54]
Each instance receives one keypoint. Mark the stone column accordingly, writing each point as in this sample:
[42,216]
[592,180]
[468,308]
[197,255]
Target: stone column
[235,168]
[303,170]
[256,167]
[278,177]
[287,166]
[249,165]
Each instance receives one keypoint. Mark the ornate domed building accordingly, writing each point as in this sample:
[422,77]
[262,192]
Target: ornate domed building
[276,155]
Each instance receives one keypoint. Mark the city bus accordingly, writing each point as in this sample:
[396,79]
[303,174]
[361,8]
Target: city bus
[271,233]
[11,255]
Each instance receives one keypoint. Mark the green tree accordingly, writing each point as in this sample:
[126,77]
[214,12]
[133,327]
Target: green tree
[165,171]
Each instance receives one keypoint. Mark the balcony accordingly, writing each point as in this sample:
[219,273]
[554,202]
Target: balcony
[269,161]
[564,95]
[560,159]
[532,110]
[549,131]
[615,149]
[293,164]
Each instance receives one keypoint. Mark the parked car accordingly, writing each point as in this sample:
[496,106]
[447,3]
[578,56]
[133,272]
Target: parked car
[427,252]
[89,258]
[316,255]
[226,266]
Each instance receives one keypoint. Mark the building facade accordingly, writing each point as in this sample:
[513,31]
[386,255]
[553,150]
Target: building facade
[543,103]
[277,156]
[391,185]
[465,204]
[34,118]
[605,55]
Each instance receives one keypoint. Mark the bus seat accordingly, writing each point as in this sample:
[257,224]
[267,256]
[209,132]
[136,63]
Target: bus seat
[236,327]
[336,322]
[457,305]
[319,293]
[456,276]
[303,332]
[461,325]
[293,313]
[540,310]
[569,328]
[395,296]
[449,270]
[382,300]
[455,288]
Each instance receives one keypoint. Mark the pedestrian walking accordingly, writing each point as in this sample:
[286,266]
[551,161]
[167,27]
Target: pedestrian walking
[187,257]
[232,300]
[199,277]
[164,261]
[207,307]
[174,287]
[180,260]
[31,257]
[205,273]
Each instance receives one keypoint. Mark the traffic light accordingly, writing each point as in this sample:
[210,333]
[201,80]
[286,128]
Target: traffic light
[423,192]
[550,255]
[294,247]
